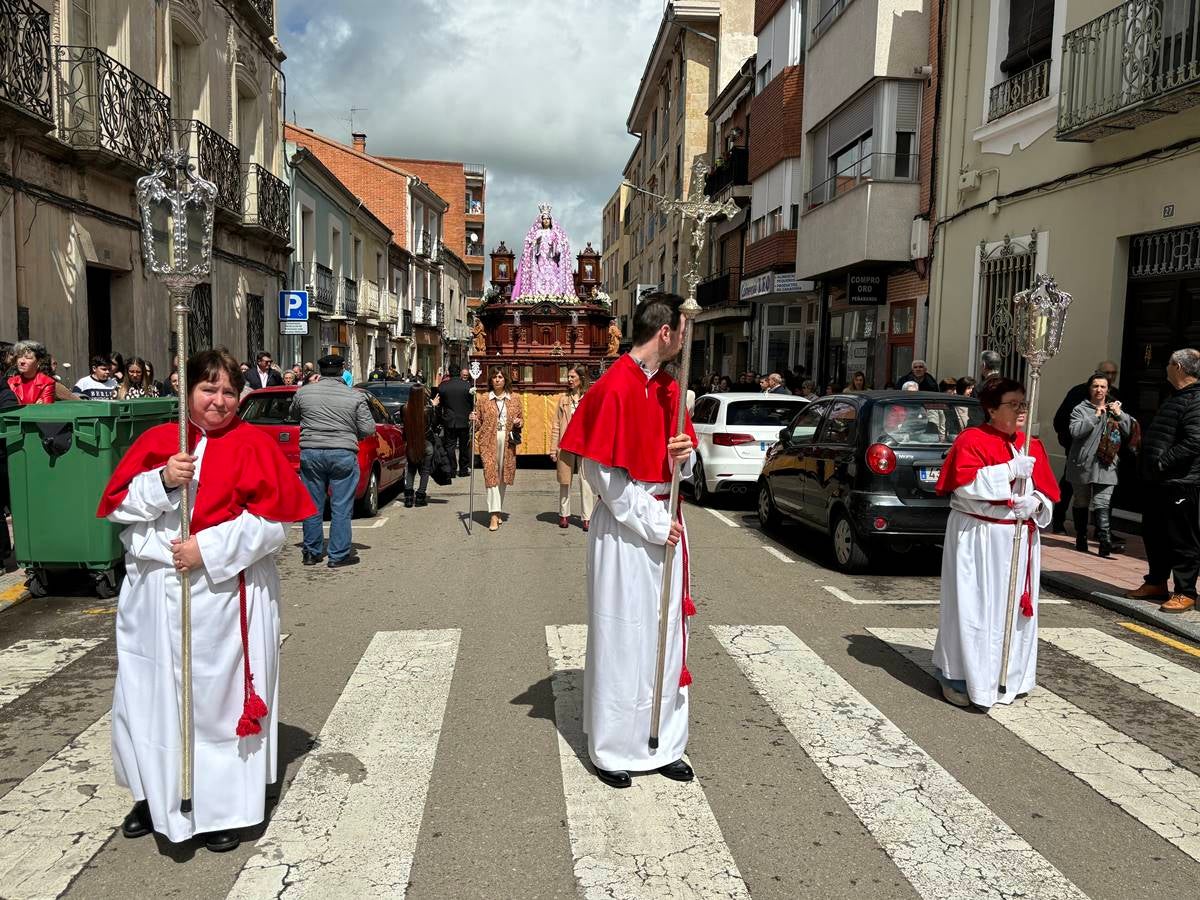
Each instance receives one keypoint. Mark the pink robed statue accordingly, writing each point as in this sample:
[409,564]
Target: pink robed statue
[546,267]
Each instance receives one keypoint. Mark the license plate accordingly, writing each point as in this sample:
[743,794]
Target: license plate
[762,445]
[928,475]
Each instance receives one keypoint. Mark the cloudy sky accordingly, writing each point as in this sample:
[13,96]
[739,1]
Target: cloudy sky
[536,90]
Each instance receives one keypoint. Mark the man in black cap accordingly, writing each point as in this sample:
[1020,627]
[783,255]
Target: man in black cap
[334,417]
[457,404]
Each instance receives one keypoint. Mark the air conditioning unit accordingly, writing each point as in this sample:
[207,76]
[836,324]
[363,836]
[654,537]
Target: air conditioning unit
[918,241]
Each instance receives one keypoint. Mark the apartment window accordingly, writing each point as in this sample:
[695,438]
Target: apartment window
[794,217]
[851,164]
[1030,27]
[177,103]
[764,77]
[678,171]
[80,27]
[256,332]
[827,12]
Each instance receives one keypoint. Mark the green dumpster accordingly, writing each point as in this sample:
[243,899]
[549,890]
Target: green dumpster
[60,457]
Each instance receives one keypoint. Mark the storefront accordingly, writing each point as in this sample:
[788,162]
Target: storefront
[788,321]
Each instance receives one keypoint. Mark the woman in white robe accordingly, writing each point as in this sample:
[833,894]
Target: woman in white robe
[243,492]
[992,484]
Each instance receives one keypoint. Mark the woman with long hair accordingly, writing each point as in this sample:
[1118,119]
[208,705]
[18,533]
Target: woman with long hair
[137,381]
[858,383]
[498,425]
[421,425]
[568,463]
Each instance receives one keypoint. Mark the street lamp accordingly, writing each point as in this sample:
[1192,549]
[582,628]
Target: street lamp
[177,231]
[1039,316]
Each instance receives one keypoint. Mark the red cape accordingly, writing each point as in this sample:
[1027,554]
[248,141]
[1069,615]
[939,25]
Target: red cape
[983,445]
[243,469]
[624,422]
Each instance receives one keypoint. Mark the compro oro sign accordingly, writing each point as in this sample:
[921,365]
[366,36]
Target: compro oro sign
[865,289]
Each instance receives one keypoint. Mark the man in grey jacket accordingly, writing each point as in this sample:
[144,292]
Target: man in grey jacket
[334,417]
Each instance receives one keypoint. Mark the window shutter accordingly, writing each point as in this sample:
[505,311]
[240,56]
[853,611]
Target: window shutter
[1030,28]
[852,122]
[908,105]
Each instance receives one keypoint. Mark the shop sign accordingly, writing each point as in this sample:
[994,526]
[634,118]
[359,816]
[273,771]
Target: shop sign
[787,283]
[757,286]
[865,289]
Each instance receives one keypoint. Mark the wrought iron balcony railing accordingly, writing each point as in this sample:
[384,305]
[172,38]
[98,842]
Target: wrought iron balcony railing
[25,72]
[104,106]
[1132,65]
[474,169]
[265,9]
[872,167]
[732,173]
[1023,89]
[349,298]
[324,298]
[216,159]
[715,290]
[267,201]
[475,248]
[368,299]
[389,308]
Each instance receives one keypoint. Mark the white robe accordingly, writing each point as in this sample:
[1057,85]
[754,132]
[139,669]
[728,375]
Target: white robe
[975,596]
[231,773]
[625,552]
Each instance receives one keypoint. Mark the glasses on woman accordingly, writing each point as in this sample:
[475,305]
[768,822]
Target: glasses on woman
[1018,405]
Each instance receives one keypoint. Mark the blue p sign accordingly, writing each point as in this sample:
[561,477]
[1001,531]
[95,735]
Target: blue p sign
[293,306]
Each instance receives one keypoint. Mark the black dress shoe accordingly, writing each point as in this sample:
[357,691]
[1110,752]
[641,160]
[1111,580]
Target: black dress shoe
[137,824]
[349,559]
[677,771]
[222,841]
[312,559]
[618,779]
[464,473]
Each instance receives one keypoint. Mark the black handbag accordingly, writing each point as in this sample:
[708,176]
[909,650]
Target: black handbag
[514,436]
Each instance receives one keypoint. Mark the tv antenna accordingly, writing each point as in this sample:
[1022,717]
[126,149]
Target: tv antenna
[353,110]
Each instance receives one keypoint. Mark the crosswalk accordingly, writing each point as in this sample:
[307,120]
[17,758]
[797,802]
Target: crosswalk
[349,823]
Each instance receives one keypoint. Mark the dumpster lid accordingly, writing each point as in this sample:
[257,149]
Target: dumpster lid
[74,410]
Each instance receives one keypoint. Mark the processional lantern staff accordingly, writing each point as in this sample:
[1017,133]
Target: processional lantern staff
[475,371]
[1039,316]
[697,207]
[177,231]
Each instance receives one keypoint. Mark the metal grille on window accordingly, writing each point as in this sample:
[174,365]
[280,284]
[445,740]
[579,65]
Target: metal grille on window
[200,333]
[1159,253]
[255,326]
[1003,271]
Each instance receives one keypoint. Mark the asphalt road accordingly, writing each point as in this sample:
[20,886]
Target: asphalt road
[429,736]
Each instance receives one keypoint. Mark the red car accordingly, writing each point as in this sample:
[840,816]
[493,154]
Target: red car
[381,458]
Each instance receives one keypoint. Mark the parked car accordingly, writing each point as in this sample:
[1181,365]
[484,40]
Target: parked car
[863,468]
[391,392]
[733,432]
[381,457]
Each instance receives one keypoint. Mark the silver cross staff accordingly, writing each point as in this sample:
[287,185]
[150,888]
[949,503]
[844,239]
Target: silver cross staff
[700,210]
[475,371]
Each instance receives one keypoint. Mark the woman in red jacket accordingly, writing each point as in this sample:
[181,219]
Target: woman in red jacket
[30,384]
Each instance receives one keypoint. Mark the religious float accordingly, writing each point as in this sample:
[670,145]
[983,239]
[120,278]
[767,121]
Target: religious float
[539,319]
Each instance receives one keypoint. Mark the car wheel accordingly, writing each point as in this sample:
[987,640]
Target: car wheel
[768,512]
[848,550]
[368,506]
[700,492]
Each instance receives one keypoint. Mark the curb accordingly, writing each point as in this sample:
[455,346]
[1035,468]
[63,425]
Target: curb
[12,590]
[1141,610]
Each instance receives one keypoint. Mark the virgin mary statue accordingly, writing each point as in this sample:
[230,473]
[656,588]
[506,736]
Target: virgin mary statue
[546,267]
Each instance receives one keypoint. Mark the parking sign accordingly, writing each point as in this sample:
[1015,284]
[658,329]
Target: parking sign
[293,306]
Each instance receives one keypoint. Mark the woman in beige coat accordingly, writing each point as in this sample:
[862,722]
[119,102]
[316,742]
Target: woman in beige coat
[496,415]
[568,463]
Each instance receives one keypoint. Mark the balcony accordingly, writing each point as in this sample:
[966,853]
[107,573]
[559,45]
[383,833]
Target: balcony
[474,208]
[262,14]
[216,160]
[389,311]
[475,248]
[870,224]
[368,299]
[25,58]
[869,168]
[104,107]
[267,202]
[349,298]
[720,289]
[1023,89]
[732,174]
[323,298]
[1132,65]
[478,170]
[406,323]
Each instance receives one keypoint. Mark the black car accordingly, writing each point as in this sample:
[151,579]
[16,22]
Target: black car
[392,393]
[863,468]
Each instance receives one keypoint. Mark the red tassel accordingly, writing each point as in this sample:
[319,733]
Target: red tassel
[689,608]
[247,726]
[255,708]
[1027,605]
[685,677]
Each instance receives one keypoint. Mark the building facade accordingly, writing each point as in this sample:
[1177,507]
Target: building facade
[615,258]
[92,93]
[1075,156]
[454,311]
[869,97]
[426,215]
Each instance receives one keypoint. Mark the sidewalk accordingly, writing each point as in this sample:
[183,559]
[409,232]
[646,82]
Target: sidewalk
[12,588]
[1105,581]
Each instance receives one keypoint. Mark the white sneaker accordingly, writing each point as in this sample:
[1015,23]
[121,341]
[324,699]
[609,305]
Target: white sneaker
[958,698]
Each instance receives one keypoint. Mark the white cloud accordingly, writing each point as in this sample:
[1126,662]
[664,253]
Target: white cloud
[538,91]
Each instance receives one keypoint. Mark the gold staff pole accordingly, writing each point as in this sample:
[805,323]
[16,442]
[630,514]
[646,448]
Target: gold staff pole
[700,210]
[177,227]
[1039,313]
[475,371]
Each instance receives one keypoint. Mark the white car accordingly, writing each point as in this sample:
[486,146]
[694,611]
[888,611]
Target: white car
[733,432]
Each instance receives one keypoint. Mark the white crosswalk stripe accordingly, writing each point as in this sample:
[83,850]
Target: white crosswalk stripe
[657,838]
[944,840]
[348,824]
[1161,795]
[55,820]
[1160,677]
[26,664]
